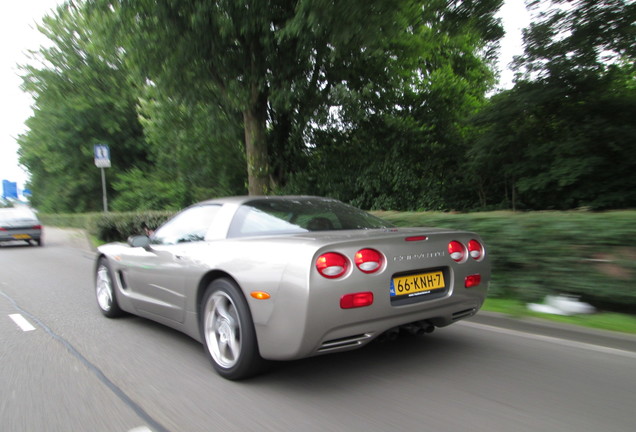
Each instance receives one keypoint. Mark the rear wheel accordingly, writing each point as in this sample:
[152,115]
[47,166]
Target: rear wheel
[228,331]
[105,290]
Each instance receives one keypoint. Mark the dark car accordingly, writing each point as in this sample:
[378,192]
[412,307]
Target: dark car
[20,224]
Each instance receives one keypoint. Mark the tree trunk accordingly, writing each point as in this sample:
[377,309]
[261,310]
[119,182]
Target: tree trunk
[254,117]
[514,195]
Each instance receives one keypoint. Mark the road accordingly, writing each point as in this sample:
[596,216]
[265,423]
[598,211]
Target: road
[74,370]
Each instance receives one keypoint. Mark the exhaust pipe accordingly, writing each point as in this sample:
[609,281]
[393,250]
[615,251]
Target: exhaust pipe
[419,328]
[389,335]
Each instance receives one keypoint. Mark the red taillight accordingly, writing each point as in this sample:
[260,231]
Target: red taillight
[368,260]
[332,265]
[2,229]
[356,300]
[456,251]
[37,227]
[416,238]
[475,250]
[472,281]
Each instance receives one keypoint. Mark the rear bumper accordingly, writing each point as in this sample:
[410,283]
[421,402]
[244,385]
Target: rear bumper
[26,235]
[323,331]
[356,336]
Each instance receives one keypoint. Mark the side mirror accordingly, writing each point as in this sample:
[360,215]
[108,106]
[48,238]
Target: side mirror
[139,241]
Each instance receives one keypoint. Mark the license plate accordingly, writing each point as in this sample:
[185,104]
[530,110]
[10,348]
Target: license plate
[21,236]
[417,284]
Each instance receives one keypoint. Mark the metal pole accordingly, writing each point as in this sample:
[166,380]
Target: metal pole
[104,190]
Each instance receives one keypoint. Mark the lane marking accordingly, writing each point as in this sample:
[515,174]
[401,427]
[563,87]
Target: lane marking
[154,425]
[551,339]
[22,322]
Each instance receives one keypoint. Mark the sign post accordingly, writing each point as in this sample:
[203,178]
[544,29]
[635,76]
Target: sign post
[102,160]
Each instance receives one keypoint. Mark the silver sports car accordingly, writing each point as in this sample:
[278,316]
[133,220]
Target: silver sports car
[282,278]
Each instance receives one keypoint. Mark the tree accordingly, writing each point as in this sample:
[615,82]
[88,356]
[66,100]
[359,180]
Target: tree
[193,146]
[82,98]
[572,39]
[275,62]
[402,144]
[564,137]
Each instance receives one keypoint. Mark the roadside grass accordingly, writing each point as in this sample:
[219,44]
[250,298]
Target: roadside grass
[600,320]
[95,241]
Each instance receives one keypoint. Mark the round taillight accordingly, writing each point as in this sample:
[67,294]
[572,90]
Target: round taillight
[368,260]
[332,265]
[475,250]
[456,251]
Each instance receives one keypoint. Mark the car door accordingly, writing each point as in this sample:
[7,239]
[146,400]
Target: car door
[156,276]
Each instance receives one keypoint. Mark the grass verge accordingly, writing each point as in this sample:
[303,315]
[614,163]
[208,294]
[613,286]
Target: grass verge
[600,320]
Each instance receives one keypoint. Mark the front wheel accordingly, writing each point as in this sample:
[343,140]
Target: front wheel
[105,291]
[228,331]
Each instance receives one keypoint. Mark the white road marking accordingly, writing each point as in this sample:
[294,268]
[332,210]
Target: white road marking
[22,322]
[566,342]
[140,429]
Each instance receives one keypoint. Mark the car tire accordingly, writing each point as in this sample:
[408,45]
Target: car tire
[228,331]
[105,290]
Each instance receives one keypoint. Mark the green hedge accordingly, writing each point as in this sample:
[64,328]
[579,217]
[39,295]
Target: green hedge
[591,255]
[108,227]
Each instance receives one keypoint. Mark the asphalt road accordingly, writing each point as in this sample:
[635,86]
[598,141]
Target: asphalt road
[64,367]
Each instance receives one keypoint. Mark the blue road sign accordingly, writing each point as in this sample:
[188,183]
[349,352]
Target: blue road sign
[9,189]
[102,156]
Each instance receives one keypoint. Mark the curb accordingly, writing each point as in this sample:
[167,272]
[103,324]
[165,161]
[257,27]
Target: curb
[605,338]
[73,237]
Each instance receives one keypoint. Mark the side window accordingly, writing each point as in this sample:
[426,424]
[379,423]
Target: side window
[188,226]
[251,221]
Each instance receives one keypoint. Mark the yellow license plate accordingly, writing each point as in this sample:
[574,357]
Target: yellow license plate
[417,284]
[21,236]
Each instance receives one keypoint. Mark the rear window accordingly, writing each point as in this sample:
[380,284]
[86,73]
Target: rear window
[289,216]
[17,215]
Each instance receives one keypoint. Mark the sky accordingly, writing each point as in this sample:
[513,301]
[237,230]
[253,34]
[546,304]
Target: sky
[18,34]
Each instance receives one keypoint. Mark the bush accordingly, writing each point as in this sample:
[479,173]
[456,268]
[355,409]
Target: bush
[585,254]
[590,255]
[109,227]
[119,226]
[71,220]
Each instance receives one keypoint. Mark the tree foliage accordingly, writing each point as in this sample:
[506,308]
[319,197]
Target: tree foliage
[572,39]
[274,62]
[379,103]
[195,152]
[564,136]
[403,146]
[81,98]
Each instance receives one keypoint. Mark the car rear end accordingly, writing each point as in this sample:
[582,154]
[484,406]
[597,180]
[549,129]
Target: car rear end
[364,283]
[18,225]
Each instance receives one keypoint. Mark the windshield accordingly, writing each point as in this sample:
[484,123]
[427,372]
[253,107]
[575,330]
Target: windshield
[288,216]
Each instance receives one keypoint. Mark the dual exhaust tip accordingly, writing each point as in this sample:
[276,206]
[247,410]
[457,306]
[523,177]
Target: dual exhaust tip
[417,329]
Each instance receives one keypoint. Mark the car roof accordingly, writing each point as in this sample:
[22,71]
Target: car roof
[17,213]
[240,200]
